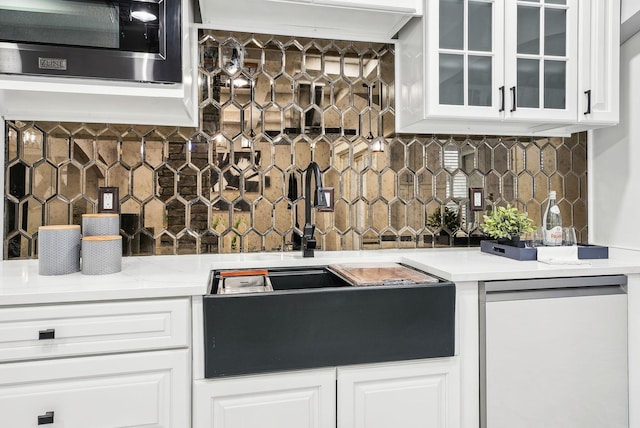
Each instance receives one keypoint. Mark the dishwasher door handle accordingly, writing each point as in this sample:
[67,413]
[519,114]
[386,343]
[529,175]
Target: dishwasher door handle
[547,283]
[552,293]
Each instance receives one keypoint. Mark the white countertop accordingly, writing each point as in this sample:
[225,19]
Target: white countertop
[187,275]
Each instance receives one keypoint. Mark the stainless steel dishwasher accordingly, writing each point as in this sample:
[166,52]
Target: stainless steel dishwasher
[553,353]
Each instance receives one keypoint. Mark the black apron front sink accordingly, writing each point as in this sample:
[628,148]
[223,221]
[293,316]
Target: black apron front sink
[319,320]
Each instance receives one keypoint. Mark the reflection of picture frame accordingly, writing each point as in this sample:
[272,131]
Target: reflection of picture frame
[108,200]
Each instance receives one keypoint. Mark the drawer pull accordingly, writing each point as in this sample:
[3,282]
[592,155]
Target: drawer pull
[45,419]
[47,334]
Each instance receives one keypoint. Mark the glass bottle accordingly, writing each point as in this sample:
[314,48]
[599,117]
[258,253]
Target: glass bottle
[552,222]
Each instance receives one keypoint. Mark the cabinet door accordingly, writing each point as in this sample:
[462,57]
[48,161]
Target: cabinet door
[541,60]
[304,399]
[145,389]
[423,394]
[599,74]
[464,59]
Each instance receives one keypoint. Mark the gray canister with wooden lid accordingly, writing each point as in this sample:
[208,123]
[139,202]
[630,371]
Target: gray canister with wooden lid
[100,224]
[58,249]
[101,255]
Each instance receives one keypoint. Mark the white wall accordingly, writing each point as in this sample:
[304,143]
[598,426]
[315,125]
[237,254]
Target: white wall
[614,169]
[628,8]
[629,19]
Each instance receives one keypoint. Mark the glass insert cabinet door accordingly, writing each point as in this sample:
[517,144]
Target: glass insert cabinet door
[466,37]
[540,59]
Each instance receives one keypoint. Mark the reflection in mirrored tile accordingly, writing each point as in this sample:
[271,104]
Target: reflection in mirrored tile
[199,190]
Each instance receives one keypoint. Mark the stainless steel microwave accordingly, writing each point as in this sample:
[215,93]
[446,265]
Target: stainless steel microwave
[133,40]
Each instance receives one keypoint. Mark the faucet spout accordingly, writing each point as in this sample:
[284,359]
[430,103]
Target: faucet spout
[308,241]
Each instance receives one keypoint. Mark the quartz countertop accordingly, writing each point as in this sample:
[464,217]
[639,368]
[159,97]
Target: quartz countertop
[187,275]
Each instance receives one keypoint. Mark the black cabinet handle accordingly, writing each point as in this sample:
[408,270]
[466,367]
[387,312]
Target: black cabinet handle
[45,419]
[501,99]
[588,94]
[513,99]
[47,334]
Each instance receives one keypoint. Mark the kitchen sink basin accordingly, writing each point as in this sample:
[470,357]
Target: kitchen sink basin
[317,318]
[304,278]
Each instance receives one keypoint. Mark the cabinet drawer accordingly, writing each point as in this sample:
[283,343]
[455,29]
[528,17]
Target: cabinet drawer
[30,332]
[148,389]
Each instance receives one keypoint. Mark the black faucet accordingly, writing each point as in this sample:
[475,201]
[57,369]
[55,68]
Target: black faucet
[308,241]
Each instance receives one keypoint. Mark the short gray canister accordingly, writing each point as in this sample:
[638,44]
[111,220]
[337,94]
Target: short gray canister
[101,255]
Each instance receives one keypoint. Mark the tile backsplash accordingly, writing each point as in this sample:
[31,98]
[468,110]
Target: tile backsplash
[234,183]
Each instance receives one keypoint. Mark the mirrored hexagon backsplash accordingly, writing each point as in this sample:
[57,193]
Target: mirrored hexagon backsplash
[269,105]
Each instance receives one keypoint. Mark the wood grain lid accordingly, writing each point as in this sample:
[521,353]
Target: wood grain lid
[100,215]
[60,227]
[102,238]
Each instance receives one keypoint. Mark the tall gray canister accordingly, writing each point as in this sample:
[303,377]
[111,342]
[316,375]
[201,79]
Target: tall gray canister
[58,249]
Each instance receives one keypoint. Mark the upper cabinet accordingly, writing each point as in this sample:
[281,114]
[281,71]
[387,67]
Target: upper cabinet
[362,20]
[466,68]
[541,57]
[599,62]
[507,67]
[117,62]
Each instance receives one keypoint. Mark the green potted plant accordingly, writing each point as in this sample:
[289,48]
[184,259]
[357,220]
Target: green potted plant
[506,224]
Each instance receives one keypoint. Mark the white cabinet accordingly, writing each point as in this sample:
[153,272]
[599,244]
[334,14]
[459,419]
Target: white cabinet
[362,20]
[409,395]
[464,60]
[410,6]
[91,100]
[53,369]
[599,78]
[507,67]
[541,56]
[424,393]
[304,399]
[29,332]
[114,391]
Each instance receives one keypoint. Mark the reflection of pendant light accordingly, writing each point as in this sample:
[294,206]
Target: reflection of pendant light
[142,13]
[377,144]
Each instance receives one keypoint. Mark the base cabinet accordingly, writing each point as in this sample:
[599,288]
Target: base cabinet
[108,364]
[412,395]
[113,391]
[303,399]
[423,394]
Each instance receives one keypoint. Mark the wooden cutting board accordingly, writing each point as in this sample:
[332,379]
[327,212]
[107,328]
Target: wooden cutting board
[364,274]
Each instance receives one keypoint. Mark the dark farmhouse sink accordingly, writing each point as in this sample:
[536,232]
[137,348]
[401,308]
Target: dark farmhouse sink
[315,318]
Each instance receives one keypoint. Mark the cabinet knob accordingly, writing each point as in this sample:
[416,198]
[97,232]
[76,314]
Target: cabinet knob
[513,99]
[45,419]
[501,99]
[47,334]
[588,94]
